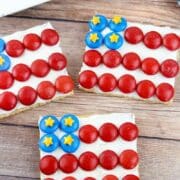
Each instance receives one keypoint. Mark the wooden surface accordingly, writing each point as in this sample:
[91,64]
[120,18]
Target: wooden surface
[159,141]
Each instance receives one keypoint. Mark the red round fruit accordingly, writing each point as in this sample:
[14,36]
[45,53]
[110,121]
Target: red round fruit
[57,61]
[169,68]
[48,165]
[128,131]
[88,134]
[64,84]
[108,159]
[165,92]
[32,41]
[88,79]
[46,90]
[88,161]
[129,159]
[6,80]
[27,95]
[107,82]
[127,83]
[131,61]
[69,178]
[89,178]
[92,58]
[40,68]
[133,35]
[14,48]
[146,89]
[108,132]
[68,163]
[130,177]
[48,179]
[110,177]
[112,58]
[153,40]
[21,72]
[49,37]
[8,101]
[171,41]
[150,66]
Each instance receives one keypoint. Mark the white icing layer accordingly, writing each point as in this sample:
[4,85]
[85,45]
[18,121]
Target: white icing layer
[97,147]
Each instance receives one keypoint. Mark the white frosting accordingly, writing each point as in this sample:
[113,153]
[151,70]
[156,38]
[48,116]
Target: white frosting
[8,6]
[27,58]
[160,54]
[97,147]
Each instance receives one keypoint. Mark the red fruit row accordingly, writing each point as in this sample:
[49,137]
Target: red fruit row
[152,39]
[27,95]
[131,61]
[88,161]
[32,42]
[126,84]
[106,177]
[108,132]
[39,68]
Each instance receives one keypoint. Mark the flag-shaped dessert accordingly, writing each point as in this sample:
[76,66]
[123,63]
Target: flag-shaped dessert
[130,59]
[32,69]
[96,147]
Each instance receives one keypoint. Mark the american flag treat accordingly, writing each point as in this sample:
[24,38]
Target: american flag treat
[95,147]
[130,59]
[32,70]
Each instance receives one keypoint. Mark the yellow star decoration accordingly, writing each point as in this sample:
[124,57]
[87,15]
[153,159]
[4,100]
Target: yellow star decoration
[94,37]
[114,38]
[95,20]
[69,121]
[48,141]
[68,140]
[49,122]
[1,61]
[116,19]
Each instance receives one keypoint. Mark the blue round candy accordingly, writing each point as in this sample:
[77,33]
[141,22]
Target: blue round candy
[98,23]
[94,39]
[5,62]
[121,26]
[69,143]
[69,123]
[113,40]
[2,45]
[49,124]
[48,143]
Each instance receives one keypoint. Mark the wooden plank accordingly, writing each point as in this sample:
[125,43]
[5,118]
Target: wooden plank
[154,120]
[20,155]
[160,12]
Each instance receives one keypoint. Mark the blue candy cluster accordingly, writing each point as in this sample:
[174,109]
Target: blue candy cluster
[68,141]
[5,62]
[113,39]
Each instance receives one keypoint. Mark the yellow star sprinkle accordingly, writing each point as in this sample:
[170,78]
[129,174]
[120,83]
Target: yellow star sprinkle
[69,121]
[48,141]
[49,122]
[94,37]
[116,19]
[114,38]
[68,140]
[95,20]
[1,61]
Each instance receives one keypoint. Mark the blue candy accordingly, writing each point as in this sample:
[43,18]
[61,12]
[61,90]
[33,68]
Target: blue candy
[49,143]
[94,39]
[98,23]
[121,26]
[5,62]
[49,124]
[113,40]
[69,143]
[69,123]
[2,45]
